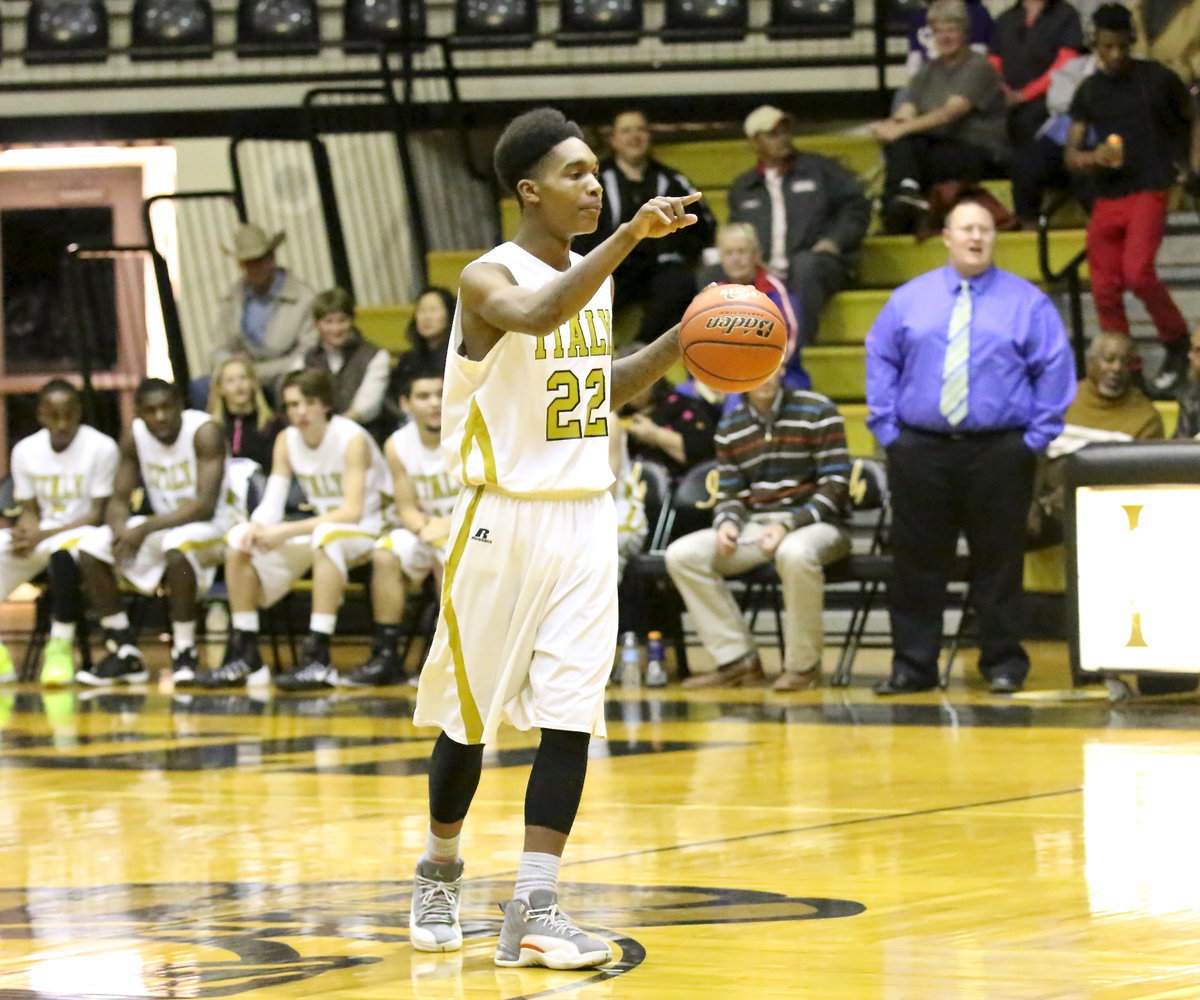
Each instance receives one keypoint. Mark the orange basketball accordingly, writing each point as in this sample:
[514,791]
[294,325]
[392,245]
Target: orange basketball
[733,337]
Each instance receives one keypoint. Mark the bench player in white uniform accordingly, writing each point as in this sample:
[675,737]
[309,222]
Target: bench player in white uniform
[341,472]
[424,493]
[178,456]
[62,479]
[529,602]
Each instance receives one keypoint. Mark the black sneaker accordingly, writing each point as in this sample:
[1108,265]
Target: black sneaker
[183,666]
[123,665]
[383,668]
[316,673]
[241,665]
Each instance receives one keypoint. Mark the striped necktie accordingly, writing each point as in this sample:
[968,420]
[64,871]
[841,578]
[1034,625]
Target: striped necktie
[953,404]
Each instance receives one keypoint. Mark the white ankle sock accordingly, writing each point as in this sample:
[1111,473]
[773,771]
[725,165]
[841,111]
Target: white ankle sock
[245,621]
[441,849]
[184,634]
[536,871]
[325,624]
[62,630]
[117,623]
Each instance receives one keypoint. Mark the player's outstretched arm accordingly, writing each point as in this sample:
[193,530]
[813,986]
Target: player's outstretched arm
[641,370]
[490,294]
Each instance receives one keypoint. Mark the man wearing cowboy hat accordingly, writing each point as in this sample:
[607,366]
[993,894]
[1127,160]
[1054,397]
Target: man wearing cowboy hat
[267,315]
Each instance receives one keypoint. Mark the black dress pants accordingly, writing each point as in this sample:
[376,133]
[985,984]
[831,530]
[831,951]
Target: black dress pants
[979,484]
[928,159]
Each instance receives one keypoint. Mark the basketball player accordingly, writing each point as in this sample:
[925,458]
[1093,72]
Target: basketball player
[178,456]
[424,493]
[529,601]
[339,470]
[62,479]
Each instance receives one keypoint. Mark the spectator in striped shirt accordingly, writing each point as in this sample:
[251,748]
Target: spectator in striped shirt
[782,497]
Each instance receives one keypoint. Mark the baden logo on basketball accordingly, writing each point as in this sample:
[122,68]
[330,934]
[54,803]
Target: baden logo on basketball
[755,324]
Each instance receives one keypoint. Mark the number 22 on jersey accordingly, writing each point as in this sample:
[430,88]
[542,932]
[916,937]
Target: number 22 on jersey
[563,422]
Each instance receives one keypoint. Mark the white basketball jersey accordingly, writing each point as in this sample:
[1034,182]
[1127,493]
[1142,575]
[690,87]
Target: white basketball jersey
[320,470]
[64,483]
[169,471]
[531,418]
[436,489]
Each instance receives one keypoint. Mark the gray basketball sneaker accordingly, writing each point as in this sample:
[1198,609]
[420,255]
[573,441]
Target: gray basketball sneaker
[541,934]
[433,917]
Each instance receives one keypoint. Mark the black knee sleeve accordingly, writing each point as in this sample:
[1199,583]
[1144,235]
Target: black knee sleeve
[65,597]
[556,781]
[454,771]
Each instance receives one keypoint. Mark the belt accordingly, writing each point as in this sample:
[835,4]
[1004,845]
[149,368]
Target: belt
[963,435]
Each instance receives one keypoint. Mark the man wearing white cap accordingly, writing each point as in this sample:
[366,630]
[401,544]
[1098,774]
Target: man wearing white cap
[809,211]
[267,315]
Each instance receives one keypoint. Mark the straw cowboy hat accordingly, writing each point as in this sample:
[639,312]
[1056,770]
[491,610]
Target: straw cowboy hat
[250,242]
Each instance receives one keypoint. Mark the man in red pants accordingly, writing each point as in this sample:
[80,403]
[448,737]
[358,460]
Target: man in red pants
[1144,128]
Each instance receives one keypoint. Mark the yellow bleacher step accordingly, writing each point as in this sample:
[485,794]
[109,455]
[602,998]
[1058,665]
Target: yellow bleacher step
[837,371]
[848,316]
[887,261]
[859,440]
[446,265]
[385,326]
[714,163]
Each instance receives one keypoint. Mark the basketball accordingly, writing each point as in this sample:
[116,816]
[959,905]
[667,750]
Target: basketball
[733,337]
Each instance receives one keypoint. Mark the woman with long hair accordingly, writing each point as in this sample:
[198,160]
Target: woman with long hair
[237,404]
[428,333]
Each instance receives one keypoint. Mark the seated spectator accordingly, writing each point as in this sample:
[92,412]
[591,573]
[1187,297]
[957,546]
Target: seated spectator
[267,315]
[237,404]
[657,274]
[358,370]
[810,214]
[782,499]
[667,427]
[1107,407]
[1188,425]
[424,493]
[1038,166]
[1029,41]
[741,262]
[342,475]
[921,47]
[1134,128]
[950,128]
[428,334]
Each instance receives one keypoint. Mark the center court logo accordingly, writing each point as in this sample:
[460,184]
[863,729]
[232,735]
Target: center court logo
[481,535]
[222,939]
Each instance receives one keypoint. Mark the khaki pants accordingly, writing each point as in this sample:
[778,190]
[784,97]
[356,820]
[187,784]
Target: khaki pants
[698,573]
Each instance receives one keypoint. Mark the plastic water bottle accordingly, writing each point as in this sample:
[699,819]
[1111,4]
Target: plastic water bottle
[656,674]
[631,661]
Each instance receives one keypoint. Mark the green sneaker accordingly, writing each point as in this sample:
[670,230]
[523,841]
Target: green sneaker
[58,663]
[8,672]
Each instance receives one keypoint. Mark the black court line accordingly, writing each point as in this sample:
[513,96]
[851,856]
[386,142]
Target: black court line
[831,825]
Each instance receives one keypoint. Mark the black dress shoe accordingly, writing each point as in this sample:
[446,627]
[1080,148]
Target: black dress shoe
[1005,685]
[894,686]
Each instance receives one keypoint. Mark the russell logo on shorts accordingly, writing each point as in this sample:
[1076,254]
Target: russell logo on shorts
[481,535]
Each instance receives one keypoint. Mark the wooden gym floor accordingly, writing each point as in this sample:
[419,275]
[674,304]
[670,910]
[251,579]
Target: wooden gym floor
[732,844]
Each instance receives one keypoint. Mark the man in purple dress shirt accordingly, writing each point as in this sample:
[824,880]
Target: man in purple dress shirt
[969,373]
